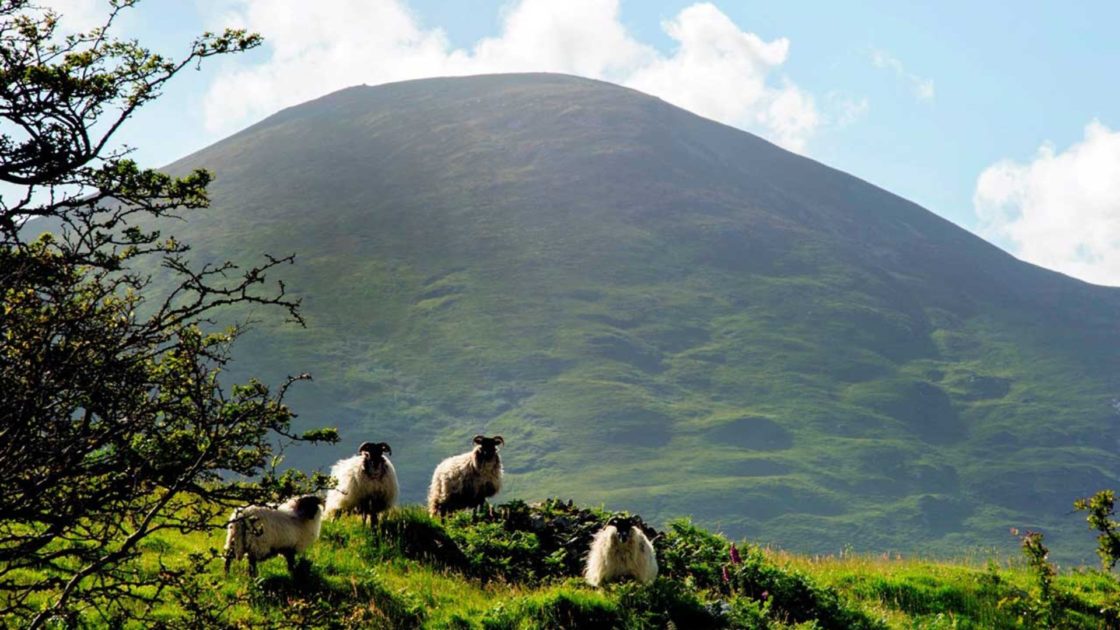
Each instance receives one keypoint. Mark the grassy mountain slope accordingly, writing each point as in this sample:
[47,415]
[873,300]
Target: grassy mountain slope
[520,568]
[665,313]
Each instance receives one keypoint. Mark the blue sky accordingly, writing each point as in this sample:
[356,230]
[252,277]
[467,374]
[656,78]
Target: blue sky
[999,118]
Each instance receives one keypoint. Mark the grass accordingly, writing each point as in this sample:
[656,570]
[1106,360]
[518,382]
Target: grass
[593,273]
[857,426]
[518,568]
[970,593]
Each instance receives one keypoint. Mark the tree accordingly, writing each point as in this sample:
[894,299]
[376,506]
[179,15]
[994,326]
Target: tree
[114,424]
[1100,508]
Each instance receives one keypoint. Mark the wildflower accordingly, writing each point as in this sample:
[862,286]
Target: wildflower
[726,575]
[735,559]
[765,595]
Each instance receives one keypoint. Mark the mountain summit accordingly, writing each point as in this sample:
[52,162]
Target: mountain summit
[663,314]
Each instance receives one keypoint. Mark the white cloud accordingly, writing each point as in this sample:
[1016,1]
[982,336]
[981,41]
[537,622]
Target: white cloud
[920,87]
[581,37]
[716,69]
[722,72]
[1062,209]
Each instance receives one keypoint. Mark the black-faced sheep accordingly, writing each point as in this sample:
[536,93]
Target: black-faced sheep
[259,532]
[465,481]
[620,550]
[365,483]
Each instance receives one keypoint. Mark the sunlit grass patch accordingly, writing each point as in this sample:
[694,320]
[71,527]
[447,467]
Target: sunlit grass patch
[519,565]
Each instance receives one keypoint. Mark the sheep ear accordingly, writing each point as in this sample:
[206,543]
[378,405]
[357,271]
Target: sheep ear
[478,439]
[499,439]
[366,447]
[385,448]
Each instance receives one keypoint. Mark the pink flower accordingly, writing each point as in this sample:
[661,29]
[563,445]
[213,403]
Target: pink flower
[735,559]
[726,575]
[765,595]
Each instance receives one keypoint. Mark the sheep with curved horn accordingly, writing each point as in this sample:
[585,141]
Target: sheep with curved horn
[621,550]
[465,481]
[365,483]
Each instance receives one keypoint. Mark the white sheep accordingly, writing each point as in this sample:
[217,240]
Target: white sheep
[467,480]
[365,483]
[260,532]
[620,550]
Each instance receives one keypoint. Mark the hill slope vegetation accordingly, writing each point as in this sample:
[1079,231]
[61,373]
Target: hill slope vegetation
[665,313]
[520,567]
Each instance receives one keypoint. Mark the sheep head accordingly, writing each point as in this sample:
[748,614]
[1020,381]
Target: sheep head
[623,526]
[487,448]
[374,454]
[307,506]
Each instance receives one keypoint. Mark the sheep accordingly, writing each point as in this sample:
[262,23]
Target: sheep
[260,532]
[366,483]
[619,550]
[467,480]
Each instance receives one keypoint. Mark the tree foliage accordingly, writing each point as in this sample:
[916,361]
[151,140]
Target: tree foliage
[114,424]
[1100,508]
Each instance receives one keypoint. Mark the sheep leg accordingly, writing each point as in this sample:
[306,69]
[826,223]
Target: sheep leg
[290,556]
[229,560]
[252,567]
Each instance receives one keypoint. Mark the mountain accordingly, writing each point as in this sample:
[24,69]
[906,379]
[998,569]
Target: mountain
[662,314]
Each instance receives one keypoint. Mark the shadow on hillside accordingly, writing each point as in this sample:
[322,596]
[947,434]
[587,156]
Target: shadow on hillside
[310,598]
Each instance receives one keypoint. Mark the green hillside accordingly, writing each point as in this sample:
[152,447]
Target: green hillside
[663,313]
[520,567]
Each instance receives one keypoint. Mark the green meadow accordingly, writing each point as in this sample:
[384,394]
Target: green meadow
[661,314]
[519,566]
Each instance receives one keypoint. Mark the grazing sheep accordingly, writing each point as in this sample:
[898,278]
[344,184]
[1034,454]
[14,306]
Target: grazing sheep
[620,550]
[366,483]
[259,532]
[467,480]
